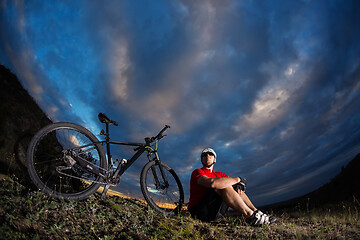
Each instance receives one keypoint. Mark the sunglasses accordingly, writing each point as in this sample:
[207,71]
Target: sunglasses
[207,153]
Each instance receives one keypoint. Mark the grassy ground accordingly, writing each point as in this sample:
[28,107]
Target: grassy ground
[26,214]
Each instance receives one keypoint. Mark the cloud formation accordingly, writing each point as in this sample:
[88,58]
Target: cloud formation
[272,86]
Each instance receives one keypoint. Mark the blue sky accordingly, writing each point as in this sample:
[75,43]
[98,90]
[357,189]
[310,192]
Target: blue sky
[272,86]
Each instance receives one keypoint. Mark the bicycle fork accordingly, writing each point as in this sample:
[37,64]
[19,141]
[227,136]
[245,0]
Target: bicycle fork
[153,169]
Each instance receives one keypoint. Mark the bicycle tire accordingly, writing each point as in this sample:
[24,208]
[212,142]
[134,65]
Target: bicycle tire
[169,200]
[45,155]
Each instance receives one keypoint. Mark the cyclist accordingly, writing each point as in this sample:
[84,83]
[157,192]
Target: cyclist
[211,193]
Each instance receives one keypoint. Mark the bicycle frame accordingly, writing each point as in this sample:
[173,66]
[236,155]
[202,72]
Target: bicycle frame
[120,170]
[113,178]
[140,149]
[68,161]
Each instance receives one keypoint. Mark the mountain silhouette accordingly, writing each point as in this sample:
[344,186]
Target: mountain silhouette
[344,187]
[20,119]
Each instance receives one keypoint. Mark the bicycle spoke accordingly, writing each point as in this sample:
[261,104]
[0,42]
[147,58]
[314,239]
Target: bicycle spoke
[163,197]
[53,160]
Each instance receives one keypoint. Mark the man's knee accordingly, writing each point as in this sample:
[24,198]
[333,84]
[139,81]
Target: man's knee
[226,192]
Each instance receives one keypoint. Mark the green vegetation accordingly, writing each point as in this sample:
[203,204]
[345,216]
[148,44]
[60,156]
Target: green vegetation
[27,214]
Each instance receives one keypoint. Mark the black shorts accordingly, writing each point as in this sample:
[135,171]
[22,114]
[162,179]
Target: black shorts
[210,207]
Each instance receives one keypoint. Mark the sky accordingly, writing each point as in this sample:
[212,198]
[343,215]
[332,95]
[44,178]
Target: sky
[272,86]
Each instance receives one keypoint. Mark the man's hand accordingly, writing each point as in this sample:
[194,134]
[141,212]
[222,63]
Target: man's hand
[240,186]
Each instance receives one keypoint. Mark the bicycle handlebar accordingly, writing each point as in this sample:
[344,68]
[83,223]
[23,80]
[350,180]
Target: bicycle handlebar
[159,136]
[152,139]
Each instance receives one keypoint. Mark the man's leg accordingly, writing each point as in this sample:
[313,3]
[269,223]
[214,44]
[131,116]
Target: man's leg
[235,201]
[242,204]
[247,201]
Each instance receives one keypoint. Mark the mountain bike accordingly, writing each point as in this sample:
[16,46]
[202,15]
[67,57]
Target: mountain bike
[67,161]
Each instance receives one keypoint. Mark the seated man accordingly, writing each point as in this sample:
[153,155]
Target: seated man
[211,193]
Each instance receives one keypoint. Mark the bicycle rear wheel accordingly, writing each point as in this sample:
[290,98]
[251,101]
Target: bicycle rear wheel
[165,197]
[51,170]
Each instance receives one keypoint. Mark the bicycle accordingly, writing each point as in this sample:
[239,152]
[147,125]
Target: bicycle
[67,161]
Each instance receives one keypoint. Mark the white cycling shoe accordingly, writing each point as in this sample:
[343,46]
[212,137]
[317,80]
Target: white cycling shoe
[258,218]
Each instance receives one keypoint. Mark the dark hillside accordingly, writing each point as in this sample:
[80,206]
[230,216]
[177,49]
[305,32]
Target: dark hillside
[342,188]
[20,118]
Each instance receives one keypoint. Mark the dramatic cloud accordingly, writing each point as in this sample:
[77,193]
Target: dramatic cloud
[272,86]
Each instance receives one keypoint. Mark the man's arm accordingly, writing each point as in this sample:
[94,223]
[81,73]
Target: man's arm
[217,183]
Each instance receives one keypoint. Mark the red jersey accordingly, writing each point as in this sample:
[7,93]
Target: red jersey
[197,191]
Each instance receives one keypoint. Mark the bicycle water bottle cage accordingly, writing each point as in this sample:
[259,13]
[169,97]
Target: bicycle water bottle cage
[105,119]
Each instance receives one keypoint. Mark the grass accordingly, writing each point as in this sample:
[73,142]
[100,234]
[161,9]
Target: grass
[27,214]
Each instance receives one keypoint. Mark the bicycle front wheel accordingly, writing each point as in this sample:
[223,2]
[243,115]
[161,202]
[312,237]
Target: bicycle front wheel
[163,192]
[52,161]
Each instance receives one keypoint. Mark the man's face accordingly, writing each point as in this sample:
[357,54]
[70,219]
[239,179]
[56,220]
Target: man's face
[208,159]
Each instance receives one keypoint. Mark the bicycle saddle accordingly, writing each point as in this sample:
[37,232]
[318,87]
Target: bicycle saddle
[105,119]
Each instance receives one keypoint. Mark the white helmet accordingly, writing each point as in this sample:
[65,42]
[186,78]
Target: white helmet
[209,150]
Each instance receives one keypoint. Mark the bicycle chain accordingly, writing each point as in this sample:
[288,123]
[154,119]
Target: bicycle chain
[60,168]
[69,160]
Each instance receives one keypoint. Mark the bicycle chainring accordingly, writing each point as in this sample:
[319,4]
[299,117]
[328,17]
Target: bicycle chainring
[114,181]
